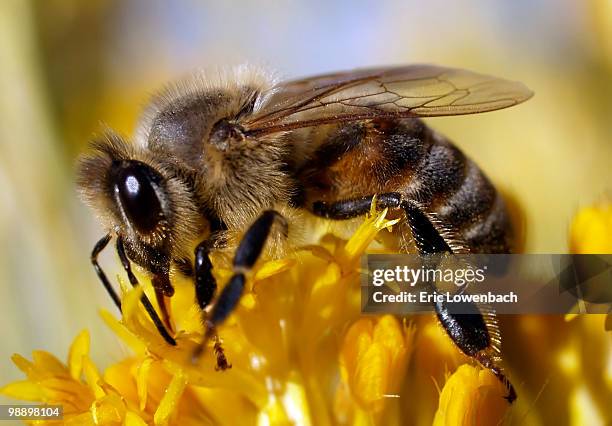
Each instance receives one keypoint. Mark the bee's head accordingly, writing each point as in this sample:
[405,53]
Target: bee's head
[139,197]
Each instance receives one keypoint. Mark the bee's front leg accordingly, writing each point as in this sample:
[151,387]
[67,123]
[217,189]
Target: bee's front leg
[248,252]
[101,245]
[143,299]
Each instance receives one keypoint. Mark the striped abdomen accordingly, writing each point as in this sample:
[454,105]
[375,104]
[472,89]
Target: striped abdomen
[406,156]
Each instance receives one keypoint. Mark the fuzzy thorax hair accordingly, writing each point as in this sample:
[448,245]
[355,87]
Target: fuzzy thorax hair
[245,84]
[198,120]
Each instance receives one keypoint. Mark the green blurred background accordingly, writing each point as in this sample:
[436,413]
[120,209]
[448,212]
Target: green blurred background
[68,67]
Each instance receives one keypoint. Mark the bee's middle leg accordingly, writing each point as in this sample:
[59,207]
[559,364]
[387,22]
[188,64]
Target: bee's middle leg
[205,289]
[247,253]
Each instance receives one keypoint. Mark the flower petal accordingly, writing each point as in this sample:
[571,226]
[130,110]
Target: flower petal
[26,366]
[133,419]
[169,402]
[78,349]
[108,410]
[124,334]
[24,390]
[92,376]
[273,267]
[371,378]
[130,303]
[45,361]
[471,395]
[141,381]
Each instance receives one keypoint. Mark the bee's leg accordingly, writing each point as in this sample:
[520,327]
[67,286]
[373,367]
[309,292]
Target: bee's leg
[469,331]
[101,245]
[143,299]
[163,291]
[248,252]
[205,288]
[428,238]
[205,283]
[348,209]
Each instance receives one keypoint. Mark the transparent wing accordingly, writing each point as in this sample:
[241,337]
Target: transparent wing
[403,91]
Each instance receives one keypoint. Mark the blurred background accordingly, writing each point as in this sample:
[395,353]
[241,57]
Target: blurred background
[68,67]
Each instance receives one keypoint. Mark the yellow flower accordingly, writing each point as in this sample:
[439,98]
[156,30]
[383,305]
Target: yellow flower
[283,342]
[373,360]
[48,380]
[591,230]
[471,396]
[302,353]
[133,392]
[591,233]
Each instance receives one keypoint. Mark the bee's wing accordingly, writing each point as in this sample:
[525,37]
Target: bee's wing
[403,91]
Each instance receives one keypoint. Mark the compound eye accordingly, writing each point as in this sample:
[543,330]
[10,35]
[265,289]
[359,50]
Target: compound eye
[135,186]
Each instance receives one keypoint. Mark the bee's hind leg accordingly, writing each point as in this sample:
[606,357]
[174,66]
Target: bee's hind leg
[469,331]
[475,334]
[428,238]
[351,208]
[248,252]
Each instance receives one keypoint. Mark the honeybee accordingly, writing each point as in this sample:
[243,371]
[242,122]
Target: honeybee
[214,154]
